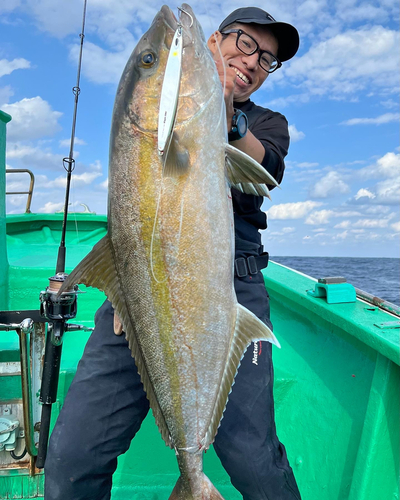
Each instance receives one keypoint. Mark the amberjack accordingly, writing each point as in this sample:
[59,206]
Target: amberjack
[167,261]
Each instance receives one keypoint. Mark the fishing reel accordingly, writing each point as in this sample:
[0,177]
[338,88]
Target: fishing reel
[58,308]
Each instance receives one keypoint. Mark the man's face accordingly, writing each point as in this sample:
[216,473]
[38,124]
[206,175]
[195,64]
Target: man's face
[250,76]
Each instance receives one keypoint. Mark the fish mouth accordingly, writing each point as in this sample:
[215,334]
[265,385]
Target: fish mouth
[186,20]
[168,16]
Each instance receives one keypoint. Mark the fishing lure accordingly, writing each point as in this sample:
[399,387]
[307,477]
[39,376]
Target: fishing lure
[170,92]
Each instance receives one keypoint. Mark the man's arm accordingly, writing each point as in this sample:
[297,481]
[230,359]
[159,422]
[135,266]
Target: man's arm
[249,144]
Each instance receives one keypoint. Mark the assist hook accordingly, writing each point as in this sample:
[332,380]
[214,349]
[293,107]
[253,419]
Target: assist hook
[187,13]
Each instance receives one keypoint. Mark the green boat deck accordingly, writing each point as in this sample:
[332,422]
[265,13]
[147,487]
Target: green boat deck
[336,377]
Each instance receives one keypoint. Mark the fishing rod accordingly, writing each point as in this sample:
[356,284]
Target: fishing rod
[57,310]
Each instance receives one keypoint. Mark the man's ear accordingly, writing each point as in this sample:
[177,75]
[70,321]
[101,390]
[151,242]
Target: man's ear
[212,42]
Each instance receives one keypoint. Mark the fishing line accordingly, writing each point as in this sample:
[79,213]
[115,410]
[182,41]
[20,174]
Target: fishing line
[165,156]
[154,231]
[165,152]
[222,115]
[74,204]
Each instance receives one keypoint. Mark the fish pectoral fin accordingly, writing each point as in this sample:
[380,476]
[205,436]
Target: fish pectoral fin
[97,269]
[255,189]
[243,170]
[176,158]
[248,329]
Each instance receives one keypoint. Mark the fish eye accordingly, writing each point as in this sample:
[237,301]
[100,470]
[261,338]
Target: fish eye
[147,59]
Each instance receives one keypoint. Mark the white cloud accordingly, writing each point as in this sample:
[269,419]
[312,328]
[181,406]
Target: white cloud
[51,207]
[85,178]
[104,184]
[320,217]
[331,184]
[347,213]
[387,191]
[17,200]
[97,59]
[7,67]
[9,6]
[78,180]
[296,210]
[389,104]
[31,119]
[32,156]
[371,223]
[283,102]
[341,66]
[341,236]
[5,94]
[65,143]
[396,226]
[306,164]
[106,16]
[364,193]
[343,225]
[295,135]
[376,210]
[386,167]
[379,120]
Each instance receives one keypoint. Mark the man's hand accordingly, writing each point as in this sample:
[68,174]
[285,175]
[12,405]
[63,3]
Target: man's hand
[227,77]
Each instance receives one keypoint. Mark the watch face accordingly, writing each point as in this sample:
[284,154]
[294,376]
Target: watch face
[242,125]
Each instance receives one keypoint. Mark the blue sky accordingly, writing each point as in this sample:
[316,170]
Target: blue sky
[340,94]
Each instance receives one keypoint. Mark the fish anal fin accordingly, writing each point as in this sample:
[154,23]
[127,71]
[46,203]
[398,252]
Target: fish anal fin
[130,334]
[248,329]
[98,270]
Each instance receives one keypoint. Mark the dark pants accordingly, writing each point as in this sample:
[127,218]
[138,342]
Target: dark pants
[105,407]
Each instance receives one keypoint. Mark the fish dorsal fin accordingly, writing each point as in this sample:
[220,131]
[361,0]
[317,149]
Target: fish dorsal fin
[98,270]
[248,329]
[243,171]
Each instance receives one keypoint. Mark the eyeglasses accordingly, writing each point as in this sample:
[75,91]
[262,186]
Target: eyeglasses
[246,44]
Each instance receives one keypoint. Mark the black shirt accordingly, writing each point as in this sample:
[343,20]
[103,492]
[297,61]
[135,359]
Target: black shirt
[271,129]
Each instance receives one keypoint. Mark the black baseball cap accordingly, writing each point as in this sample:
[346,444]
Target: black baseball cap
[286,34]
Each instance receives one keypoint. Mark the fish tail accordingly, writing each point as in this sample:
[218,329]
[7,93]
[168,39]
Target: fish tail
[202,490]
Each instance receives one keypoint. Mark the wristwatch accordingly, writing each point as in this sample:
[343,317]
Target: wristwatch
[239,126]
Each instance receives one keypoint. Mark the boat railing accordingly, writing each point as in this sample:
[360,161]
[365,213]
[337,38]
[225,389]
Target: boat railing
[377,302]
[29,192]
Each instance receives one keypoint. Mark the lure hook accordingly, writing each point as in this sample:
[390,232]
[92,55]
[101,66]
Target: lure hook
[187,13]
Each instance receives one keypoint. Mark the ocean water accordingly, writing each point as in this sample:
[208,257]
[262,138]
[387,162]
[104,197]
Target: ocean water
[380,277]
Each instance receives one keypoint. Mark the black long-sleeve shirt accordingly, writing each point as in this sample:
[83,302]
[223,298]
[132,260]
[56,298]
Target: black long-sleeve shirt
[271,129]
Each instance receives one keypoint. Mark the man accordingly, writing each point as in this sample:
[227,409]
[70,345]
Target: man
[248,46]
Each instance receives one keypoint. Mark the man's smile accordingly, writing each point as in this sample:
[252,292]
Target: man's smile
[244,78]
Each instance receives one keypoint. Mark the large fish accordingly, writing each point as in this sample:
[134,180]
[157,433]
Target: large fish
[167,261]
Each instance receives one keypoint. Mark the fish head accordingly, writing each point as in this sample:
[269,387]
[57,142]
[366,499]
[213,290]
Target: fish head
[200,82]
[138,95]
